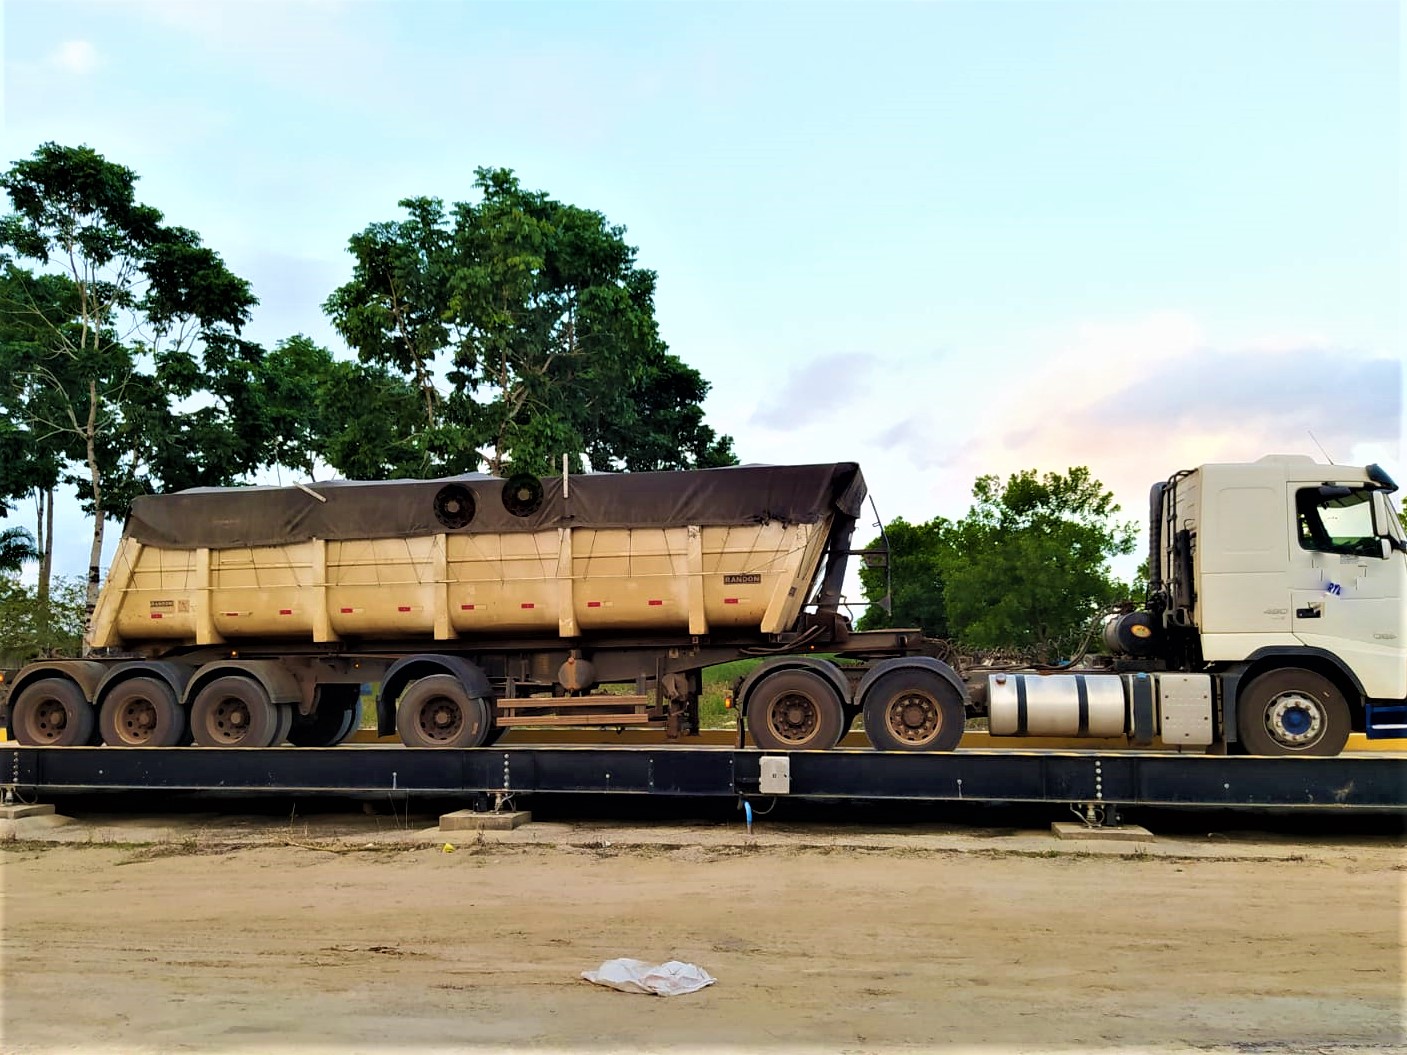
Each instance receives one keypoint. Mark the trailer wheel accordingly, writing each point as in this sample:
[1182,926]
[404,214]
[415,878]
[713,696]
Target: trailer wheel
[913,710]
[337,717]
[286,713]
[438,712]
[52,713]
[795,710]
[142,712]
[1292,711]
[235,711]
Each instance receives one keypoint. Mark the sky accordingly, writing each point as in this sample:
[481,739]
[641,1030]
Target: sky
[940,239]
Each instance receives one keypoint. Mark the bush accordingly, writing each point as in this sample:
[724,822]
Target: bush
[29,632]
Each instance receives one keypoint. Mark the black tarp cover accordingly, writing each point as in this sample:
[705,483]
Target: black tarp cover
[225,517]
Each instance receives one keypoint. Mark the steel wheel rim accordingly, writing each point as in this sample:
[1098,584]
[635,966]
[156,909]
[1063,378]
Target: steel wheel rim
[136,720]
[49,721]
[1295,719]
[229,720]
[914,718]
[794,717]
[441,718]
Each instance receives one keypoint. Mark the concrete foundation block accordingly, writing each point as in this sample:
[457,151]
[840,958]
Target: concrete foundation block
[14,813]
[1117,833]
[473,821]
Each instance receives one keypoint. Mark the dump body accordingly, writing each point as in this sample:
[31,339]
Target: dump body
[733,550]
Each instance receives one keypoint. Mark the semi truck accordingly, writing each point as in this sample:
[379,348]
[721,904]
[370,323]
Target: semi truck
[252,617]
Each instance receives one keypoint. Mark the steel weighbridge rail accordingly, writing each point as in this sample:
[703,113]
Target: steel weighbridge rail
[1125,778]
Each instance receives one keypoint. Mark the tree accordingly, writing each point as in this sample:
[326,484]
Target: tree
[360,419]
[914,574]
[1025,570]
[32,458]
[16,549]
[528,331]
[30,629]
[1028,567]
[121,319]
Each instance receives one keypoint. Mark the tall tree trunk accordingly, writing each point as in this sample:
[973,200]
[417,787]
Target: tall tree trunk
[45,537]
[95,555]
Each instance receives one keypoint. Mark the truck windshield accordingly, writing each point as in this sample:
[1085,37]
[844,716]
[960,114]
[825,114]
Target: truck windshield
[1338,523]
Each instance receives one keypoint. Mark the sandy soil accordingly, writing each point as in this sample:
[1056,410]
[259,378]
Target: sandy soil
[277,948]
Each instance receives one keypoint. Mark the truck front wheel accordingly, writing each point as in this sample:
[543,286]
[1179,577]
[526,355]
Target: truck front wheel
[1292,711]
[52,712]
[795,710]
[438,712]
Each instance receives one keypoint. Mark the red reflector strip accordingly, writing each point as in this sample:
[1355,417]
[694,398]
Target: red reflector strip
[730,600]
[655,603]
[235,615]
[345,611]
[285,611]
[593,604]
[403,608]
[528,604]
[466,607]
[156,615]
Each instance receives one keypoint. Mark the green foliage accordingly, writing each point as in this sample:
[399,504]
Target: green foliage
[350,416]
[1025,570]
[536,315]
[1029,566]
[915,571]
[29,630]
[16,549]
[118,341]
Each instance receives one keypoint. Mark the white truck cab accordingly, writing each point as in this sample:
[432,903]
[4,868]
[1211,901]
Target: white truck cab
[1289,579]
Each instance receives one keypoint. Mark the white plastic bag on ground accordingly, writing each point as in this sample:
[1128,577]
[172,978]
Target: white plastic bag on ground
[637,976]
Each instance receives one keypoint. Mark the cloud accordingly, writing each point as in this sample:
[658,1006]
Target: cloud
[75,56]
[1133,399]
[1342,397]
[816,390]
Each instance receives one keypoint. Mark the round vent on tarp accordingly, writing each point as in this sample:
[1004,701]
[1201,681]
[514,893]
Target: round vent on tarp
[522,494]
[454,505]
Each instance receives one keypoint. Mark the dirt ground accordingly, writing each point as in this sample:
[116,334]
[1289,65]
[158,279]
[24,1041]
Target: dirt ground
[956,943]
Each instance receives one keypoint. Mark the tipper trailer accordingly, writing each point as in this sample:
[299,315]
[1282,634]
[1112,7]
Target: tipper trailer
[251,617]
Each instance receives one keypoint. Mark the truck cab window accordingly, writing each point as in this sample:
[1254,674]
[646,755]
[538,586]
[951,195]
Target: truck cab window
[1338,523]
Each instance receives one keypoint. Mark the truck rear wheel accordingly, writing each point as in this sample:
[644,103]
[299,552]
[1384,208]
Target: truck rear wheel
[795,710]
[235,711]
[1292,711]
[142,712]
[52,712]
[913,710]
[438,712]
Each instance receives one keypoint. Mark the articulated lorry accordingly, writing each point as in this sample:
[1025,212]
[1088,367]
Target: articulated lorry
[254,616]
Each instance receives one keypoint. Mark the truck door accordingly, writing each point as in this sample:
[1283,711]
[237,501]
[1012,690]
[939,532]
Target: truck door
[1344,596]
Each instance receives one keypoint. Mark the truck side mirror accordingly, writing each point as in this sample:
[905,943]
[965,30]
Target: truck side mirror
[1387,547]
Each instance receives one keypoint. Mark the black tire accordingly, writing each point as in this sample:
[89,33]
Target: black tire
[52,712]
[795,710]
[143,712]
[1292,711]
[286,714]
[438,712]
[850,715]
[913,710]
[235,711]
[338,715]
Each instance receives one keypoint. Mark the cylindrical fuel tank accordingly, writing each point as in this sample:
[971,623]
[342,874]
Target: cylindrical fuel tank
[1056,705]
